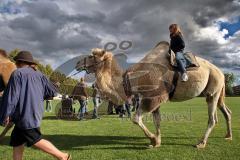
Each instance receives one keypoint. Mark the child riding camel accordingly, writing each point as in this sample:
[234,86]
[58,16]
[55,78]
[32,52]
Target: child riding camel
[177,45]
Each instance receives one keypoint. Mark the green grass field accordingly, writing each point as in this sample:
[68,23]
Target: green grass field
[114,138]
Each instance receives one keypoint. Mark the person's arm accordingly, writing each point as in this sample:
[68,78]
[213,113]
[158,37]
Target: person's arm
[10,98]
[50,89]
[180,42]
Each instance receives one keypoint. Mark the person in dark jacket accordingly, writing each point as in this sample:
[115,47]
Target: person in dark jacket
[177,45]
[80,93]
[22,104]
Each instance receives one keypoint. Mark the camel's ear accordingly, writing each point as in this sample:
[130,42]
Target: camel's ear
[103,52]
[98,52]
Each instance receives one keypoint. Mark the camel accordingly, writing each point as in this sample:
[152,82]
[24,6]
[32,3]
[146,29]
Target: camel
[6,69]
[153,78]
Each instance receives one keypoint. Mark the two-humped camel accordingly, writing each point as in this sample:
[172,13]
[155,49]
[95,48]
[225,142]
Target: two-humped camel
[152,78]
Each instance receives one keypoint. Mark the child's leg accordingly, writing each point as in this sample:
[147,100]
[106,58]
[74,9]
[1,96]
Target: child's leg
[49,148]
[181,62]
[18,152]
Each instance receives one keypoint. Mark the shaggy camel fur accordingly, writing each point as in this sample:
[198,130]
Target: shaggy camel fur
[6,69]
[152,77]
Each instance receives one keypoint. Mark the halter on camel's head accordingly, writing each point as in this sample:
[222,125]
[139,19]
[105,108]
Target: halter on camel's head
[95,61]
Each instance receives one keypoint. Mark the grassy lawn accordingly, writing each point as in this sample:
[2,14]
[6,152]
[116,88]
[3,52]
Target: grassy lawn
[114,138]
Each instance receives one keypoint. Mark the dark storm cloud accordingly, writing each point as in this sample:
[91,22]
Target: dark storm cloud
[209,11]
[49,26]
[43,22]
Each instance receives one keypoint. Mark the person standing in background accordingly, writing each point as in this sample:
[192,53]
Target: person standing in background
[49,105]
[95,99]
[80,93]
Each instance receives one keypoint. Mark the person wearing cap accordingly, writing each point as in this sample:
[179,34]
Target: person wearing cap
[22,104]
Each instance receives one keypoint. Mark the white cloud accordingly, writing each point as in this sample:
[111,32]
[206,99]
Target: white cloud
[19,1]
[211,33]
[236,2]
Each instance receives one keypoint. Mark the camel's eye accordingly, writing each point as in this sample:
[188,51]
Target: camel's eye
[91,56]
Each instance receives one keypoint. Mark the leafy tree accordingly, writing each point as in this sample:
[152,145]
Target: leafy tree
[13,53]
[57,77]
[48,70]
[66,83]
[229,80]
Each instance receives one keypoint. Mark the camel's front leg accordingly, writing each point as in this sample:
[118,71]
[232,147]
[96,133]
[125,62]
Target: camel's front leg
[137,119]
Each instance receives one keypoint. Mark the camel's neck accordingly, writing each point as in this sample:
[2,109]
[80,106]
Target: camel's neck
[109,81]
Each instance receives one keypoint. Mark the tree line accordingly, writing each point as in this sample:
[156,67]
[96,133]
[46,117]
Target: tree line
[67,83]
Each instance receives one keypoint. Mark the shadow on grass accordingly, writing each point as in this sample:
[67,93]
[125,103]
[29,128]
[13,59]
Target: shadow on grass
[84,142]
[64,119]
[86,118]
[75,142]
[50,118]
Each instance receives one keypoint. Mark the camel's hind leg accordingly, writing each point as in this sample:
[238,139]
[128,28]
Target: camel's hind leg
[212,101]
[156,121]
[227,115]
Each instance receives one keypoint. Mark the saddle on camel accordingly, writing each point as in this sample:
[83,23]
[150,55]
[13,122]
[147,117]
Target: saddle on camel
[191,65]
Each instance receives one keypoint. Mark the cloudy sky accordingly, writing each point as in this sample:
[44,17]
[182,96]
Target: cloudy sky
[58,30]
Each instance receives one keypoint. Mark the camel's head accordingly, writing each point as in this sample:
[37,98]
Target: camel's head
[94,61]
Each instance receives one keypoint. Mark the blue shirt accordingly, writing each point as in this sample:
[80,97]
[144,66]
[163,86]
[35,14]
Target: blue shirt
[23,98]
